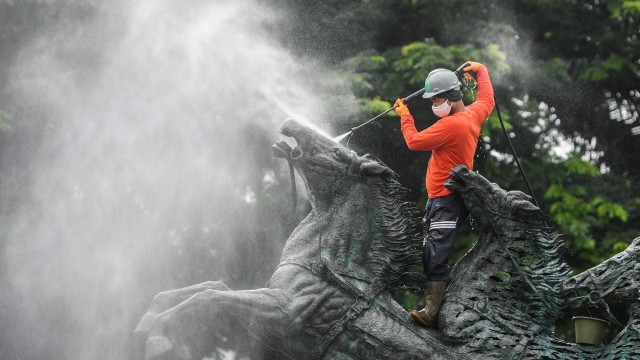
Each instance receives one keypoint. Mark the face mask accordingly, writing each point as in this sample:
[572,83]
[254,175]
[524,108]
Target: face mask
[442,110]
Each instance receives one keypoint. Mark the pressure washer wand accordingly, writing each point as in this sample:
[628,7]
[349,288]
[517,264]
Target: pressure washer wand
[409,98]
[406,100]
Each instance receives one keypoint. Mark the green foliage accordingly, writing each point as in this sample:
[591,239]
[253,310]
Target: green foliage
[388,75]
[408,299]
[419,58]
[608,210]
[556,68]
[374,106]
[619,7]
[620,246]
[575,165]
[603,69]
[579,213]
[493,123]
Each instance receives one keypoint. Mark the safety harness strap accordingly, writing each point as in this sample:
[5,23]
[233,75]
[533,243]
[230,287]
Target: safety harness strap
[361,304]
[364,299]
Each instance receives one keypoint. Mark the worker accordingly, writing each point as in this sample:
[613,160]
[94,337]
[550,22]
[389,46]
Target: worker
[452,140]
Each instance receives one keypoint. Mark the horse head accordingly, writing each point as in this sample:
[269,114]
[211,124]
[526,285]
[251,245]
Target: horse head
[516,248]
[491,206]
[325,166]
[360,212]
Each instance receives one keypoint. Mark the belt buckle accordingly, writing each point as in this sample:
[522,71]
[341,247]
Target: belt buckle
[356,309]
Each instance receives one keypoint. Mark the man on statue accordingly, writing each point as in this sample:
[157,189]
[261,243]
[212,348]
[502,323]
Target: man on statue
[452,140]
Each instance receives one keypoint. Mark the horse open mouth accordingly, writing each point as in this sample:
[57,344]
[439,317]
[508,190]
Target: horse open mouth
[457,182]
[281,150]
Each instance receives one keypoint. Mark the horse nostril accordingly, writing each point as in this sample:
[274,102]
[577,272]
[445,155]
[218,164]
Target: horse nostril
[296,153]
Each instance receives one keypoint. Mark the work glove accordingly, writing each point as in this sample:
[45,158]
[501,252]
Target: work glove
[401,108]
[473,66]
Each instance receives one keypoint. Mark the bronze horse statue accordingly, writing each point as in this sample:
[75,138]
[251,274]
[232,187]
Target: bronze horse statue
[506,294]
[330,296]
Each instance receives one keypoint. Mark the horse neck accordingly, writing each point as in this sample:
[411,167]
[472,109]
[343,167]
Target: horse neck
[480,262]
[489,270]
[347,228]
[302,244]
[338,231]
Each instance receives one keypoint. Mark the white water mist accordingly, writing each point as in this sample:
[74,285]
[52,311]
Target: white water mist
[149,130]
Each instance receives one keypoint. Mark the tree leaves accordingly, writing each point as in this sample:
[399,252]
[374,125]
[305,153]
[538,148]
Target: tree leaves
[602,70]
[580,213]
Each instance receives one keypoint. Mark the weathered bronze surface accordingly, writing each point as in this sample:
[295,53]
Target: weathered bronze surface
[329,297]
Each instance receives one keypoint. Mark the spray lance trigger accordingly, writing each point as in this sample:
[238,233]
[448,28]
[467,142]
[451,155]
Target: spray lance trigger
[469,82]
[466,79]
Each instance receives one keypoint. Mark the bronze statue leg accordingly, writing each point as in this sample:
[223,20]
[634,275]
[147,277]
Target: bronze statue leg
[194,327]
[168,299]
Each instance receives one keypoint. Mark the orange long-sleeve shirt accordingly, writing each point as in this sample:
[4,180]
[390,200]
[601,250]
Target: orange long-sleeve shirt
[452,140]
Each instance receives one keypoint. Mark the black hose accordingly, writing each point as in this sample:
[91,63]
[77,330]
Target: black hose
[515,155]
[294,192]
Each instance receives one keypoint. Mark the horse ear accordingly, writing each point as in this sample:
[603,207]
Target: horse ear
[371,165]
[522,201]
[375,168]
[526,206]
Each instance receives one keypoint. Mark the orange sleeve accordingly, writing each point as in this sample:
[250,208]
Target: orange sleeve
[428,139]
[485,102]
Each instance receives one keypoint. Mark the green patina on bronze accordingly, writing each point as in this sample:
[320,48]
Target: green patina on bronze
[329,297]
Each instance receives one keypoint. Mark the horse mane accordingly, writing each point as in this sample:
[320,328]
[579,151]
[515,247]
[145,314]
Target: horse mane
[394,255]
[537,250]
